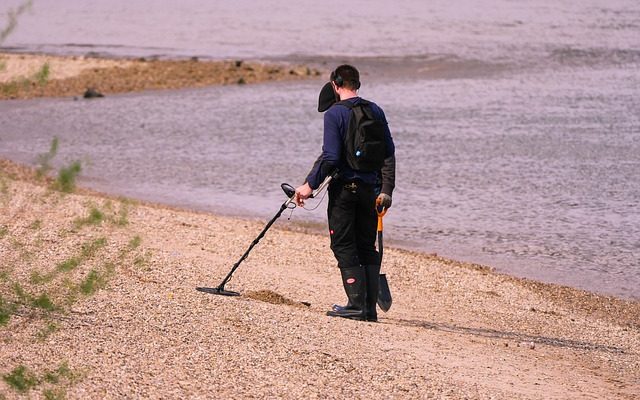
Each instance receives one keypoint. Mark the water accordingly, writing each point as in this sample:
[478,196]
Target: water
[516,125]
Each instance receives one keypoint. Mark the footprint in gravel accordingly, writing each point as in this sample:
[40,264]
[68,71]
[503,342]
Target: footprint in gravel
[272,297]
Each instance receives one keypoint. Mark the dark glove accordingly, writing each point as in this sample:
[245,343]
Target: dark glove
[384,200]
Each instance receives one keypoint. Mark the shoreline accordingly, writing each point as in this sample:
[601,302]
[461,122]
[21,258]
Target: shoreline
[29,174]
[27,76]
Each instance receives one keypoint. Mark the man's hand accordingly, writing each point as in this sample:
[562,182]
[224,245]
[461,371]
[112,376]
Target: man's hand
[302,193]
[383,200]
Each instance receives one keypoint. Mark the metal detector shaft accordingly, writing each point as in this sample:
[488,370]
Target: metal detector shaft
[290,191]
[283,207]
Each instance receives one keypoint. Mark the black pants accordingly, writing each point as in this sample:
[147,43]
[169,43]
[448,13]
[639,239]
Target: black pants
[353,223]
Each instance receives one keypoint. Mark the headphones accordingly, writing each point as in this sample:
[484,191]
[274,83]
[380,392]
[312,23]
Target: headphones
[339,81]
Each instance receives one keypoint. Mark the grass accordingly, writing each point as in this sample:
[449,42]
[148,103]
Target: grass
[43,302]
[92,282]
[68,265]
[44,160]
[6,310]
[41,77]
[14,87]
[95,217]
[123,215]
[89,249]
[50,328]
[63,371]
[142,260]
[66,181]
[37,278]
[55,394]
[12,19]
[23,297]
[135,242]
[36,225]
[21,379]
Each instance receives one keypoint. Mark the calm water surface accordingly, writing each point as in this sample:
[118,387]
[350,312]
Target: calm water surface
[517,125]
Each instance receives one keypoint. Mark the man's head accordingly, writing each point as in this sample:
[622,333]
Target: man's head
[347,77]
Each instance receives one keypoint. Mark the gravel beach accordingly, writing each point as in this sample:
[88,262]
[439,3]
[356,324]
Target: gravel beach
[98,300]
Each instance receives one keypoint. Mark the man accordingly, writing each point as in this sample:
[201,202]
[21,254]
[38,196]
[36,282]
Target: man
[352,199]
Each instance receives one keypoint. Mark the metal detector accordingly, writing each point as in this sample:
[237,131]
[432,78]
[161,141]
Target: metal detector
[290,192]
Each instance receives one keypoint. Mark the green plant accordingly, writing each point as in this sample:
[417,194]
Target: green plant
[35,225]
[135,242]
[37,278]
[9,89]
[63,371]
[6,310]
[89,249]
[44,160]
[96,280]
[55,394]
[95,217]
[68,265]
[12,16]
[123,215]
[44,302]
[42,76]
[50,328]
[66,181]
[3,231]
[92,282]
[22,296]
[21,379]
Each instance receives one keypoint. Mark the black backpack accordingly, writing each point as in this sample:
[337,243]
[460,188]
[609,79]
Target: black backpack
[364,142]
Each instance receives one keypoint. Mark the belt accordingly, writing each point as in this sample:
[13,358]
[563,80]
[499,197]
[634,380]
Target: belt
[353,186]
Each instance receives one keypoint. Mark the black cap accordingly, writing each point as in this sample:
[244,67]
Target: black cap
[327,97]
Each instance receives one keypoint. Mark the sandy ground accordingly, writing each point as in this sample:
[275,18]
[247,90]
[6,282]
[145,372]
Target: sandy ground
[21,75]
[455,330]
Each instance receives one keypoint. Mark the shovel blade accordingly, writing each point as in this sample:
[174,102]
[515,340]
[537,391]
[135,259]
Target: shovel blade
[384,294]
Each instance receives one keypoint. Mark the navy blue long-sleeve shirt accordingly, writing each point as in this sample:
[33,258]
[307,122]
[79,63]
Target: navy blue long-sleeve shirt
[336,123]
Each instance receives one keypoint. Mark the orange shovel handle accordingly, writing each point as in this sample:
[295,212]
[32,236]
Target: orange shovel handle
[381,211]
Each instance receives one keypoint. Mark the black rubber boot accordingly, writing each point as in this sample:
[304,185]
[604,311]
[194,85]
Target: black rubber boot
[338,307]
[354,280]
[373,285]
